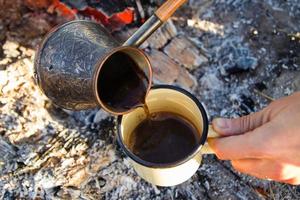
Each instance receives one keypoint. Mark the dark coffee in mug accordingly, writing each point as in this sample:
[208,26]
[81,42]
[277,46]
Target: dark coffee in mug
[122,84]
[163,138]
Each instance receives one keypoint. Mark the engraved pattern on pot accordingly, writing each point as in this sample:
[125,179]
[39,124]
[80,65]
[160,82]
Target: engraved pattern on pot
[67,61]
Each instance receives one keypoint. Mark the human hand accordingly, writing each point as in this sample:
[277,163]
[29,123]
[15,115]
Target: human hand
[265,144]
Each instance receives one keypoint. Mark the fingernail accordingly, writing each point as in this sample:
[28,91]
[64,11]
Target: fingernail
[221,123]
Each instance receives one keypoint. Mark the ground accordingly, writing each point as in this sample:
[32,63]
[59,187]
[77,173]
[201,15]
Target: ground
[235,56]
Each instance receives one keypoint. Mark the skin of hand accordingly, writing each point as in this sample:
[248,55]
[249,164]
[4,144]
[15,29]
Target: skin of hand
[265,144]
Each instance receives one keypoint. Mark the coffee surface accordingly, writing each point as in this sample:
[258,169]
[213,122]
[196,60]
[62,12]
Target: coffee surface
[122,85]
[164,138]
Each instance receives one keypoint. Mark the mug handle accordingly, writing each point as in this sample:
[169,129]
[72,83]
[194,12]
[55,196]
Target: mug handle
[206,149]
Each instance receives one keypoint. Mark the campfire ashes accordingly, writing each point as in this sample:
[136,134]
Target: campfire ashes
[235,56]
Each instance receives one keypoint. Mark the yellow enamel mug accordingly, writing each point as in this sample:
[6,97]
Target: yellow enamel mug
[165,98]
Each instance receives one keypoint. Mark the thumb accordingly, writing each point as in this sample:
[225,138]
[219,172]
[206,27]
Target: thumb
[239,125]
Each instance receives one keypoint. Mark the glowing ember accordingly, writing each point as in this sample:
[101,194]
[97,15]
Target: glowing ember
[114,18]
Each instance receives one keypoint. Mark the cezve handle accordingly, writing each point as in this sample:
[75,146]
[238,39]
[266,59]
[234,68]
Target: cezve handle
[154,22]
[168,9]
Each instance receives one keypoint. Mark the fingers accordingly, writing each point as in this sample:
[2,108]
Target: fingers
[249,145]
[268,169]
[239,125]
